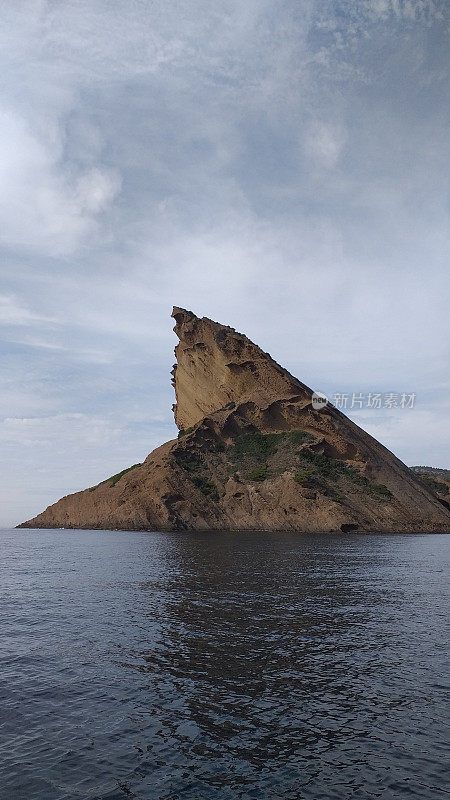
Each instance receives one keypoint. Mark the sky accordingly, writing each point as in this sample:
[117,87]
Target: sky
[275,165]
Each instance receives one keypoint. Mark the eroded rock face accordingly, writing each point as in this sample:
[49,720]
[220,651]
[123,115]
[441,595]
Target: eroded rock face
[253,454]
[216,366]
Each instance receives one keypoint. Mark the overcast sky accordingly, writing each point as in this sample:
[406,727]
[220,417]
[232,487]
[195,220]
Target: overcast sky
[277,165]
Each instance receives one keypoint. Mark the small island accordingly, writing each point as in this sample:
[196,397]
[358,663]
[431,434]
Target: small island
[254,453]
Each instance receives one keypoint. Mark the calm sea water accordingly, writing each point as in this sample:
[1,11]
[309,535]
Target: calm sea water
[193,666]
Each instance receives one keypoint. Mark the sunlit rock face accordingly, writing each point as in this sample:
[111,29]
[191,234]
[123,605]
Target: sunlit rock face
[216,366]
[253,453]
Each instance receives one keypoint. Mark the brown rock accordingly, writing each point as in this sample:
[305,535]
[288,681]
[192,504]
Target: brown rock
[216,366]
[253,454]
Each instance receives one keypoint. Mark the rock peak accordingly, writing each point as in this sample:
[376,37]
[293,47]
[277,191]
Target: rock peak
[217,365]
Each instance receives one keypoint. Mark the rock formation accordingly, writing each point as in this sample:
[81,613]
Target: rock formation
[252,453]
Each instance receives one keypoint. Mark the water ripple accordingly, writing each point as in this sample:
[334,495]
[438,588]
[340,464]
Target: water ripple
[233,667]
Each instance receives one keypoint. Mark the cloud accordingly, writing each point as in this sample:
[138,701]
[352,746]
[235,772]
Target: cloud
[324,143]
[44,206]
[21,326]
[417,436]
[13,312]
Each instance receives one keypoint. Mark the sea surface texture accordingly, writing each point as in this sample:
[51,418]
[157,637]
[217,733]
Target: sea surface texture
[227,666]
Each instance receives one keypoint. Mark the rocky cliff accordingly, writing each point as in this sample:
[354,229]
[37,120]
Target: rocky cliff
[252,453]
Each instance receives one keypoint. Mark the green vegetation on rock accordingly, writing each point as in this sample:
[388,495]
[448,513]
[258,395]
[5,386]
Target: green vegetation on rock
[189,461]
[259,473]
[207,487]
[303,476]
[196,468]
[261,446]
[114,478]
[435,485]
[259,456]
[325,469]
[255,446]
[228,406]
[251,452]
[184,432]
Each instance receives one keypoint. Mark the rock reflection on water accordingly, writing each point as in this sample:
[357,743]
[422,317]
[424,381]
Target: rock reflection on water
[283,666]
[231,666]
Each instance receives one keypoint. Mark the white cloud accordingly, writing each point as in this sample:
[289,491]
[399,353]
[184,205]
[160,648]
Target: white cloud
[419,436]
[95,189]
[86,355]
[74,429]
[14,312]
[324,143]
[44,207]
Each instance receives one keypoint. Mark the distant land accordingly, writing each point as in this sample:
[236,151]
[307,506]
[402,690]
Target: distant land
[436,471]
[253,453]
[437,479]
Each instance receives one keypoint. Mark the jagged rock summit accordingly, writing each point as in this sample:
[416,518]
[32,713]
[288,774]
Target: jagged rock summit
[216,365]
[253,453]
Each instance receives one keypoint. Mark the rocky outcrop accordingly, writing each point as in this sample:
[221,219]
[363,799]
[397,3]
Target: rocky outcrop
[253,453]
[216,366]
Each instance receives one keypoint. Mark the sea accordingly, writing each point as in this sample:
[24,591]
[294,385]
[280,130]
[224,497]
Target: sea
[230,666]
